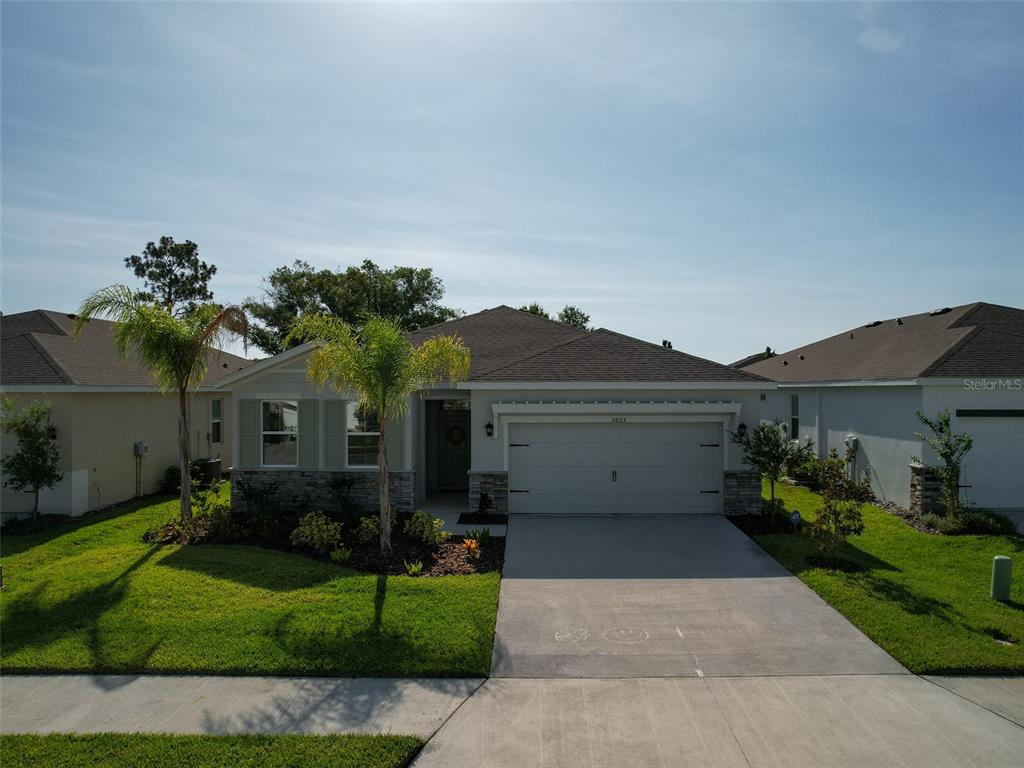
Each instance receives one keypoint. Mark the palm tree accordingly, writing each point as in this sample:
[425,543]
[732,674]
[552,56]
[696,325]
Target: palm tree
[174,348]
[383,368]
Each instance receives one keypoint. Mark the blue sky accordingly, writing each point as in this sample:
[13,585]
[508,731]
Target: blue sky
[724,176]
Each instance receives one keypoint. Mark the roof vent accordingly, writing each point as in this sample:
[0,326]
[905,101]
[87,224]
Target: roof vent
[874,324]
[666,344]
[801,357]
[851,335]
[899,321]
[942,311]
[71,315]
[785,362]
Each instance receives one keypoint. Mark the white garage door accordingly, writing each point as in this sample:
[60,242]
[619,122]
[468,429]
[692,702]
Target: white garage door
[615,468]
[994,467]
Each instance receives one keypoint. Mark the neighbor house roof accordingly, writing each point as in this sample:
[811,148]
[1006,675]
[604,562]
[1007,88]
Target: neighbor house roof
[971,340]
[37,349]
[508,344]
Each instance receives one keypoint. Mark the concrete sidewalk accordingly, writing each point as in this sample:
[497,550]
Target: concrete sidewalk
[846,721]
[227,705]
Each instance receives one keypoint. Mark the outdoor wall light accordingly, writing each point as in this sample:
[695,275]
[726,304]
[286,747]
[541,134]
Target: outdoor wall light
[489,429]
[741,430]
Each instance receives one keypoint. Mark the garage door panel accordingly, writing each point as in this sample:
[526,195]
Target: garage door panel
[658,468]
[994,467]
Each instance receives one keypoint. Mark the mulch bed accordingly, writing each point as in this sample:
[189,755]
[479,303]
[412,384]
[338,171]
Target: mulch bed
[914,521]
[449,559]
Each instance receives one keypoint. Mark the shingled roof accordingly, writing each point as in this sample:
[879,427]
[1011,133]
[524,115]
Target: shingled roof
[508,344]
[971,340]
[37,349]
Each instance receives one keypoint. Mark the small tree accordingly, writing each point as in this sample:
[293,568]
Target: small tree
[575,317]
[951,449]
[36,462]
[768,449]
[840,515]
[173,274]
[383,368]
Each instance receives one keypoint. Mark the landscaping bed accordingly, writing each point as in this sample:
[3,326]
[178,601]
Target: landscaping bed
[450,558]
[116,750]
[922,597]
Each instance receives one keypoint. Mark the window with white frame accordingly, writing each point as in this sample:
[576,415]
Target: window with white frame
[794,416]
[216,420]
[280,428]
[362,437]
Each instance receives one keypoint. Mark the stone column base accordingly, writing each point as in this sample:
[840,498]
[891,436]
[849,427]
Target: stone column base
[742,492]
[495,484]
[925,490]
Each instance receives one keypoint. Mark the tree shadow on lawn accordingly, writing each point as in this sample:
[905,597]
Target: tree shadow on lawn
[259,567]
[31,623]
[374,650]
[23,536]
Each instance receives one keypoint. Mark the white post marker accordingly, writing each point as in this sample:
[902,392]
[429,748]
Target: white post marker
[1002,570]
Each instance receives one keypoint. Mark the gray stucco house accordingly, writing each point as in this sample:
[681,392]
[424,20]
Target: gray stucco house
[866,384]
[551,419]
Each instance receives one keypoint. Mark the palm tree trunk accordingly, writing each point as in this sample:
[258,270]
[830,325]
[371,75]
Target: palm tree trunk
[35,508]
[385,502]
[186,461]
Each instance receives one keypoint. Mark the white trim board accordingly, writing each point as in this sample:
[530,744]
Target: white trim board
[636,385]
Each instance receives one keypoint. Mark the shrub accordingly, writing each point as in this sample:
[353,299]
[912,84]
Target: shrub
[316,532]
[840,515]
[480,534]
[368,530]
[413,569]
[805,471]
[429,530]
[346,509]
[171,479]
[260,515]
[341,555]
[982,522]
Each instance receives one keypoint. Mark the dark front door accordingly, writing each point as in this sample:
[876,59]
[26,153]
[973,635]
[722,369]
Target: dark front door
[451,441]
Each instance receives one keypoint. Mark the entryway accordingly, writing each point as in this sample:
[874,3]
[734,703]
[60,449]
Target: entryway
[447,445]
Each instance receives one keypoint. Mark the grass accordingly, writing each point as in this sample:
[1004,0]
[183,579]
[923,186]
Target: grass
[109,750]
[91,597]
[924,598]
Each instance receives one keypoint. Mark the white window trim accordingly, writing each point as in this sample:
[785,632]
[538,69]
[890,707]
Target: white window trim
[264,432]
[357,434]
[219,420]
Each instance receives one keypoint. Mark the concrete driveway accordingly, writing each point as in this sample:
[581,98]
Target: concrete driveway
[662,596]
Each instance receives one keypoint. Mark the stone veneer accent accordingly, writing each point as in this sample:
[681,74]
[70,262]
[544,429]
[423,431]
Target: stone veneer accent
[742,492]
[295,486]
[494,483]
[925,490]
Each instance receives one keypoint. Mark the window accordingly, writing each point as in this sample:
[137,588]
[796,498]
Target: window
[216,420]
[362,436]
[280,433]
[794,416]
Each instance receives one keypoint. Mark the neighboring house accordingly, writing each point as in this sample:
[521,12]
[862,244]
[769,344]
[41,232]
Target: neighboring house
[102,406]
[867,384]
[551,419]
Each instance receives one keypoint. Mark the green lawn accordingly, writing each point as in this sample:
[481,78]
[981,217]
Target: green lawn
[924,598]
[110,750]
[93,597]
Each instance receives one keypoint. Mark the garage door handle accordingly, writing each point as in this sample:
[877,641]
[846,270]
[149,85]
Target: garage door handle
[513,490]
[615,476]
[709,491]
[709,445]
[518,445]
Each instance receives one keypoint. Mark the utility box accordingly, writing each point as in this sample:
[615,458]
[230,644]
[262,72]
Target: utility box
[1002,571]
[140,449]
